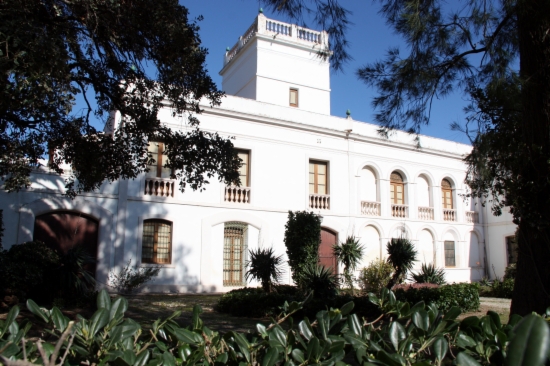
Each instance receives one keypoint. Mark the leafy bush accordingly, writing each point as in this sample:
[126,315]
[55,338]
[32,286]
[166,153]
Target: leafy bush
[321,280]
[349,253]
[130,279]
[402,335]
[462,295]
[254,302]
[265,267]
[429,274]
[302,238]
[510,272]
[73,276]
[376,276]
[502,289]
[401,255]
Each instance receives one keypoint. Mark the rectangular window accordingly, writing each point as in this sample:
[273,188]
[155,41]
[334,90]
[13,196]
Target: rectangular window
[157,170]
[397,193]
[512,249]
[157,242]
[447,198]
[234,251]
[450,253]
[318,173]
[244,170]
[293,97]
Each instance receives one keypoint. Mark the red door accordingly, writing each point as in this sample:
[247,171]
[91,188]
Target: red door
[326,255]
[63,230]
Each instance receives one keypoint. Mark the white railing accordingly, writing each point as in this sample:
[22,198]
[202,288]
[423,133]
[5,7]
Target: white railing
[399,210]
[278,27]
[425,213]
[370,208]
[309,35]
[237,194]
[241,42]
[472,217]
[449,215]
[319,201]
[159,187]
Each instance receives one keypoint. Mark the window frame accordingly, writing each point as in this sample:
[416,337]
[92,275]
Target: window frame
[248,152]
[395,184]
[316,163]
[295,91]
[230,269]
[154,259]
[445,253]
[158,163]
[443,195]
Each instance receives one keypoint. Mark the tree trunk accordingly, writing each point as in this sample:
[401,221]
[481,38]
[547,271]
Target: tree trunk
[531,204]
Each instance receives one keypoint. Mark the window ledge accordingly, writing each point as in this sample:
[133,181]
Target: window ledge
[145,265]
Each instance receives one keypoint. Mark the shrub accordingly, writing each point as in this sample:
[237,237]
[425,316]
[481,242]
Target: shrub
[376,276]
[302,238]
[254,302]
[129,279]
[265,267]
[463,295]
[429,274]
[401,255]
[75,280]
[510,272]
[349,253]
[321,280]
[502,289]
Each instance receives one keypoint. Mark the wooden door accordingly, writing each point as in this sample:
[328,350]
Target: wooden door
[63,230]
[326,255]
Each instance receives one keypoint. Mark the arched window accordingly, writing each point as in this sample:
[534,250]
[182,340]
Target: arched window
[157,242]
[235,240]
[397,189]
[447,194]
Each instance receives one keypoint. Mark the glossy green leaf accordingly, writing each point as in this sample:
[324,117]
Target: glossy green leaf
[529,346]
[98,321]
[278,335]
[222,358]
[440,348]
[347,308]
[185,351]
[186,336]
[118,308]
[261,330]
[298,355]
[142,358]
[59,320]
[103,300]
[243,345]
[313,349]
[37,311]
[495,318]
[354,324]
[323,324]
[197,322]
[10,319]
[452,313]
[463,359]
[500,338]
[168,359]
[397,333]
[421,320]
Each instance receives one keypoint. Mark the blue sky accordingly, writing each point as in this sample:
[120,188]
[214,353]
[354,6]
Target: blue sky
[225,20]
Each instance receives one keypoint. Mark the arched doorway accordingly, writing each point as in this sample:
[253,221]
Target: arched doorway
[63,230]
[326,255]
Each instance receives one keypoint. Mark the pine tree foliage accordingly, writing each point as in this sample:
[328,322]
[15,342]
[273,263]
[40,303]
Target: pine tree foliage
[133,56]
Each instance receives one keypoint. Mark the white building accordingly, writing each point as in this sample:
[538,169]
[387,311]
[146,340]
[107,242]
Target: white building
[298,157]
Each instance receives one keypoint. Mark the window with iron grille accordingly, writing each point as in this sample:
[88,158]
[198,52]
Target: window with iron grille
[511,249]
[450,254]
[157,242]
[235,235]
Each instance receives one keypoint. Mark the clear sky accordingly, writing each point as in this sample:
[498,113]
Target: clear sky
[225,20]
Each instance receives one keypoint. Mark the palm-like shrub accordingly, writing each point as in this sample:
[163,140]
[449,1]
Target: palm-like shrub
[319,279]
[349,253]
[429,274]
[265,267]
[401,255]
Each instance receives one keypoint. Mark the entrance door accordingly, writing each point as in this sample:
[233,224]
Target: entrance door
[63,230]
[326,255]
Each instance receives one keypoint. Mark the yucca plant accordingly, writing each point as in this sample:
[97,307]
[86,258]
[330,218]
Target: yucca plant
[319,279]
[401,255]
[349,253]
[429,274]
[265,267]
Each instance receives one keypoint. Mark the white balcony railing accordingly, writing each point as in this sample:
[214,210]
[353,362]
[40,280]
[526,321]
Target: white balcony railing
[425,213]
[237,194]
[449,215]
[370,208]
[399,210]
[472,217]
[159,187]
[319,201]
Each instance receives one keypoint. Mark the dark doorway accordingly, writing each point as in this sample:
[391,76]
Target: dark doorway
[326,255]
[63,230]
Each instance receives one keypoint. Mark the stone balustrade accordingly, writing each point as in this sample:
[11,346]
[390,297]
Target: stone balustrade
[370,208]
[425,213]
[472,217]
[449,214]
[400,211]
[237,194]
[159,187]
[319,201]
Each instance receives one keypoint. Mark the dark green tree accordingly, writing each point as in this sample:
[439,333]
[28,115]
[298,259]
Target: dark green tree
[474,47]
[302,239]
[132,56]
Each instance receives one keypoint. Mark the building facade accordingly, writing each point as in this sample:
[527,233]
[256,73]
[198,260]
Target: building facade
[296,156]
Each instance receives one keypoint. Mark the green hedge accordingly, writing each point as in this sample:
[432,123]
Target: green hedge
[463,295]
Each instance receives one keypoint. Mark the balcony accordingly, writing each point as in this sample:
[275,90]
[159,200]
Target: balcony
[370,208]
[425,213]
[472,217]
[237,194]
[159,187]
[319,201]
[449,214]
[400,211]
